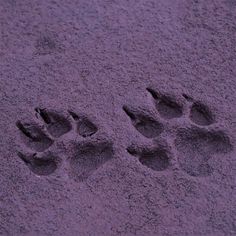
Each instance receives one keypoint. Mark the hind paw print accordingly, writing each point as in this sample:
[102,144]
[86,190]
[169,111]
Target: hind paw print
[195,143]
[39,139]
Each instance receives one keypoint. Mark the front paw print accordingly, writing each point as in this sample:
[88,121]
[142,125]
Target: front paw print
[39,138]
[195,143]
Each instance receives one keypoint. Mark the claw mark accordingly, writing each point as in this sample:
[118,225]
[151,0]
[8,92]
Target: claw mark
[144,124]
[155,94]
[200,114]
[132,151]
[167,107]
[74,116]
[23,158]
[129,113]
[56,124]
[34,137]
[188,98]
[84,126]
[40,166]
[26,132]
[44,115]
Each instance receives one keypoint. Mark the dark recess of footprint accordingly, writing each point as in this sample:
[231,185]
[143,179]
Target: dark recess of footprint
[156,160]
[34,137]
[144,124]
[40,166]
[85,127]
[166,105]
[187,97]
[56,124]
[200,114]
[88,158]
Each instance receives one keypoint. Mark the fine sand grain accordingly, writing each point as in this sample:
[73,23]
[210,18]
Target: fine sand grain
[118,117]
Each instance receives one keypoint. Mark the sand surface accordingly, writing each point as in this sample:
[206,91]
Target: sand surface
[118,117]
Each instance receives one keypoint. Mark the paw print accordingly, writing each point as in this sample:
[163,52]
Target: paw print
[195,141]
[38,139]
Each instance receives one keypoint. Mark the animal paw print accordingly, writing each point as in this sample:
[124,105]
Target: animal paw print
[195,143]
[88,155]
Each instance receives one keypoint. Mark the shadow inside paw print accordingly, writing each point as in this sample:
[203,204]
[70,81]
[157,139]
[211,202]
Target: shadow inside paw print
[40,165]
[200,114]
[39,138]
[34,137]
[88,158]
[195,145]
[84,126]
[56,124]
[144,124]
[167,107]
[156,159]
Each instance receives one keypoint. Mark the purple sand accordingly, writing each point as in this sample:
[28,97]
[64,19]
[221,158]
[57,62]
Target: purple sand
[118,117]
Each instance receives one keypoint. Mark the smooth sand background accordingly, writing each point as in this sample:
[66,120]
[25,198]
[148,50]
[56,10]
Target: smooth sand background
[94,58]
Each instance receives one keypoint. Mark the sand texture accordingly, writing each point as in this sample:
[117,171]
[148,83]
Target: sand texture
[118,117]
